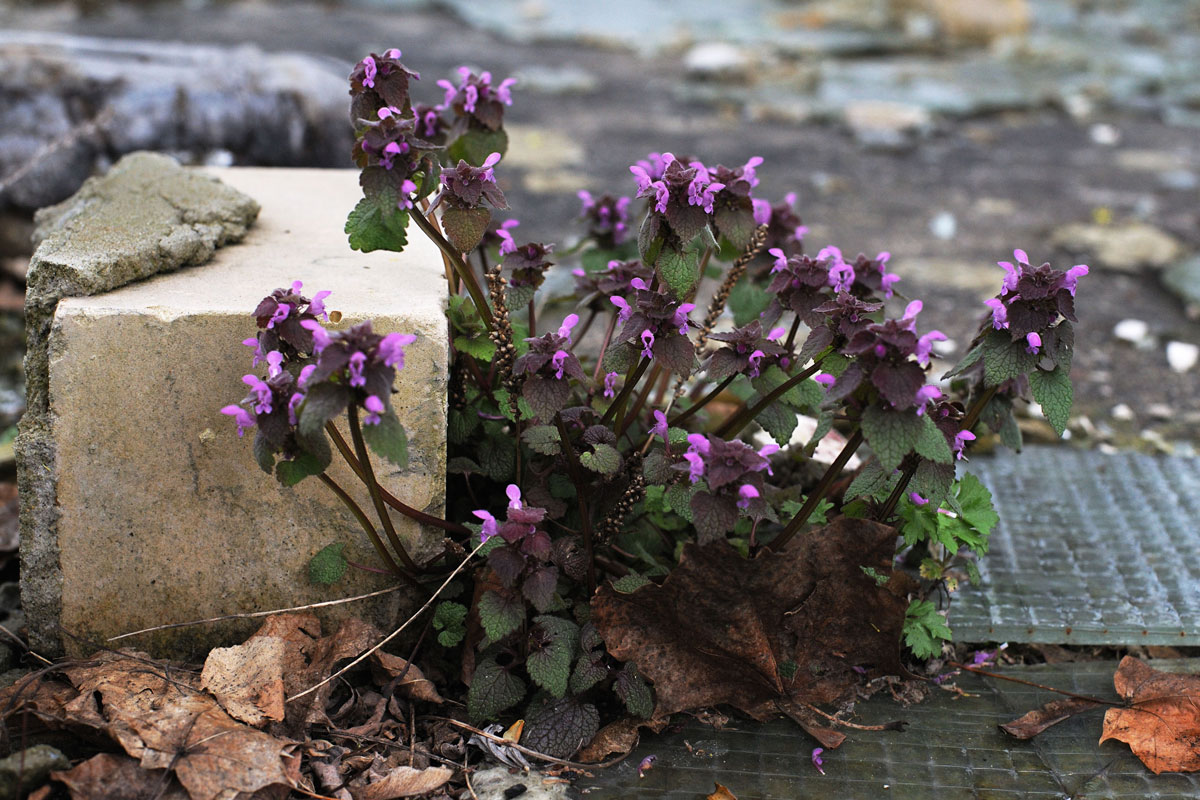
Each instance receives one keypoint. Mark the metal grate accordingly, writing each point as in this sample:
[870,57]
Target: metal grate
[1090,549]
[952,749]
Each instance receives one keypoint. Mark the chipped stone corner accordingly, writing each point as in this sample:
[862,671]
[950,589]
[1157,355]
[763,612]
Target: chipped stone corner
[148,215]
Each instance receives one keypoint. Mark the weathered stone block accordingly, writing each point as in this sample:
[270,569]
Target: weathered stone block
[159,513]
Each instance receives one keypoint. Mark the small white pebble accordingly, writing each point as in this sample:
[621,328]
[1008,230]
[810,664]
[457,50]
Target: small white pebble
[1182,356]
[1160,411]
[1035,410]
[1134,331]
[944,226]
[1104,134]
[945,348]
[1107,449]
[1122,412]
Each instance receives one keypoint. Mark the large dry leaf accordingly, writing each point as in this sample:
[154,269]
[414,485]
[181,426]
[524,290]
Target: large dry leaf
[414,684]
[724,629]
[161,719]
[112,777]
[1054,712]
[407,782]
[1162,723]
[247,679]
[721,793]
[618,738]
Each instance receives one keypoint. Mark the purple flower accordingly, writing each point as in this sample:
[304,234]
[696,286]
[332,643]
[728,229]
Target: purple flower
[841,277]
[274,363]
[660,427]
[755,359]
[999,312]
[746,493]
[281,313]
[466,186]
[781,259]
[610,385]
[983,658]
[960,441]
[624,310]
[557,361]
[375,409]
[825,379]
[925,346]
[646,764]
[680,319]
[607,218]
[490,526]
[762,212]
[476,97]
[305,373]
[817,760]
[1072,276]
[1033,342]
[917,499]
[568,323]
[647,343]
[514,495]
[292,406]
[357,361]
[320,336]
[391,348]
[241,416]
[695,465]
[507,244]
[261,392]
[925,395]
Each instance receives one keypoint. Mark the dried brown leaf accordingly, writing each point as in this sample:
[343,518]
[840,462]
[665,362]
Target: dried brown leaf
[721,627]
[1162,723]
[158,717]
[1054,712]
[407,782]
[721,793]
[414,684]
[247,679]
[813,725]
[618,738]
[112,777]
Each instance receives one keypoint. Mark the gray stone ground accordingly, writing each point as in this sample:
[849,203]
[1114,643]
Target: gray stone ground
[947,142]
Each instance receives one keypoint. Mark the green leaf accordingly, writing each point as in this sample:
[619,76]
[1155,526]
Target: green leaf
[975,502]
[263,453]
[328,565]
[1004,359]
[628,584]
[620,358]
[589,670]
[805,396]
[500,614]
[713,516]
[779,421]
[481,348]
[476,145]
[1052,390]
[560,727]
[634,692]
[874,575]
[498,457]
[603,459]
[493,689]
[932,443]
[321,403]
[460,426]
[933,481]
[546,396]
[891,434]
[292,472]
[450,618]
[679,496]
[972,356]
[679,270]
[747,301]
[552,644]
[543,439]
[465,227]
[387,439]
[871,481]
[372,225]
[925,629]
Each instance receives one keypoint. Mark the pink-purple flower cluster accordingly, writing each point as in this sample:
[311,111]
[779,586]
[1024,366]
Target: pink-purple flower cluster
[607,218]
[1032,299]
[477,98]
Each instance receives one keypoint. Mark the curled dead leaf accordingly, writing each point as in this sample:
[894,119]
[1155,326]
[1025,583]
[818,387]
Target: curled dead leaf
[724,629]
[1161,725]
[414,684]
[1054,712]
[247,679]
[111,777]
[618,738]
[407,782]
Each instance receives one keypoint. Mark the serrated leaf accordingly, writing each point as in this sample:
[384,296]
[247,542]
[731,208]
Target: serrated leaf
[657,468]
[627,584]
[561,727]
[804,396]
[538,587]
[450,619]
[932,443]
[589,670]
[779,421]
[975,502]
[972,356]
[933,481]
[493,689]
[460,426]
[871,481]
[263,453]
[292,472]
[321,403]
[1004,359]
[747,301]
[678,270]
[1052,390]
[735,224]
[543,439]
[387,439]
[619,358]
[546,396]
[498,458]
[372,226]
[679,497]
[476,145]
[500,614]
[603,459]
[552,645]
[328,565]
[634,692]
[925,629]
[891,434]
[714,516]
[465,227]
[481,348]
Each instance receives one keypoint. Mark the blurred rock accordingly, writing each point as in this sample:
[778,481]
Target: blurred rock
[29,768]
[1183,280]
[71,105]
[886,125]
[1182,356]
[971,21]
[1124,248]
[1134,331]
[717,60]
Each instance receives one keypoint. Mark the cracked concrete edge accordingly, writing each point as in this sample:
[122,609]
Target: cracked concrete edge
[148,215]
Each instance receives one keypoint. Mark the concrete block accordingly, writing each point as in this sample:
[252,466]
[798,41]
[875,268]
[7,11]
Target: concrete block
[160,513]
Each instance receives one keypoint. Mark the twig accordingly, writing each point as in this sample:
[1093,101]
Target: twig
[394,633]
[24,646]
[256,614]
[887,726]
[987,674]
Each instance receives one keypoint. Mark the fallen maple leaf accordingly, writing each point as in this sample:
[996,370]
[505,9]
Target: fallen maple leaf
[1054,712]
[725,629]
[1162,723]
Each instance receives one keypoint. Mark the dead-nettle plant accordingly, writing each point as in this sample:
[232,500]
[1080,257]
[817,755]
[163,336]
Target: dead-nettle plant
[602,446]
